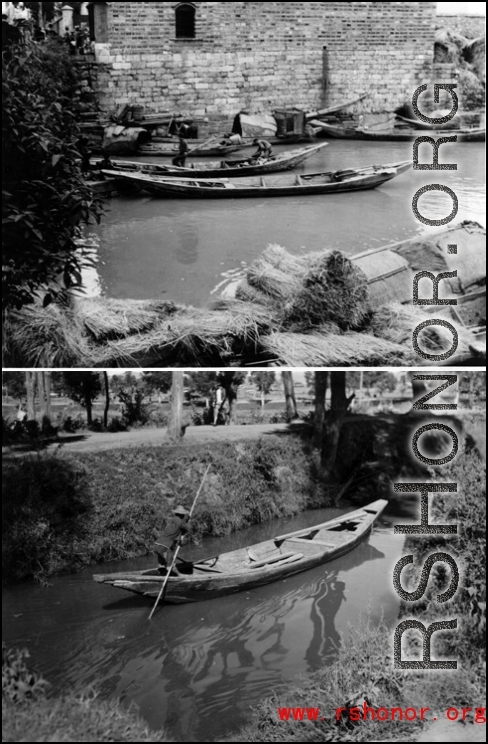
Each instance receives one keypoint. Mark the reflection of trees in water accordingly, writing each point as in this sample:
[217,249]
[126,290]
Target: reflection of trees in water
[186,250]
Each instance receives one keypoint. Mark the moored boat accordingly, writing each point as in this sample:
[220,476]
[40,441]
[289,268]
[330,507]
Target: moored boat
[256,565]
[334,182]
[396,135]
[226,168]
[170,149]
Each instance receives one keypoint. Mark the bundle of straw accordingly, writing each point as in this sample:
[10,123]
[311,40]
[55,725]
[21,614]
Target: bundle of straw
[51,336]
[346,350]
[107,319]
[396,323]
[333,289]
[192,336]
[275,283]
[248,293]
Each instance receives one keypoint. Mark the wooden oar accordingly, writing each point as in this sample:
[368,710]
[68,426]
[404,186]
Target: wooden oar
[178,547]
[202,144]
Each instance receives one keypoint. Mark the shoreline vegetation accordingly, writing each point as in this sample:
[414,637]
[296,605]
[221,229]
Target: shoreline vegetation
[63,511]
[316,309]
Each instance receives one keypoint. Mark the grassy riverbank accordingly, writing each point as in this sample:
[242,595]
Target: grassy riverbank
[28,714]
[363,668]
[64,511]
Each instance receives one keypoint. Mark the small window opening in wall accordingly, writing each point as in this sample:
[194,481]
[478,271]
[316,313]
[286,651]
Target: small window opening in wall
[185,21]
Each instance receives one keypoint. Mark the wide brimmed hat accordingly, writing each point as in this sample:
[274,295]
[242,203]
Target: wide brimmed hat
[180,510]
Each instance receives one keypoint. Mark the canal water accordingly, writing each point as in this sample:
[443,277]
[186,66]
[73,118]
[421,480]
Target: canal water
[186,251]
[198,668]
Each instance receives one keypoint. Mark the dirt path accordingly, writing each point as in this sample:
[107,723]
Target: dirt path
[195,435]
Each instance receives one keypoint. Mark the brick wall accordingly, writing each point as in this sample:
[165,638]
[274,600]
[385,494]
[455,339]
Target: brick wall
[255,55]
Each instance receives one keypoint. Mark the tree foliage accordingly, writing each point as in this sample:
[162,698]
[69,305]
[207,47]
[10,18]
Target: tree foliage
[83,388]
[44,197]
[14,384]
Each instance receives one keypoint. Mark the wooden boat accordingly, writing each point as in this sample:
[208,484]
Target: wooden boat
[354,179]
[250,567]
[169,149]
[226,168]
[473,134]
[395,135]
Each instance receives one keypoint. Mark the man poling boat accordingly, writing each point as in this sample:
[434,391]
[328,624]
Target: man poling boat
[181,513]
[254,565]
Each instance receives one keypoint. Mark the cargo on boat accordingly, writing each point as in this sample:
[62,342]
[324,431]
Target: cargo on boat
[334,182]
[256,565]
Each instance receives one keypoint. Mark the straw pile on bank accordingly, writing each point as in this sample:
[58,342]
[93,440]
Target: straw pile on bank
[312,310]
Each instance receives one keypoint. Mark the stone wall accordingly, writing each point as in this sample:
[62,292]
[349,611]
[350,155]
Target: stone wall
[257,56]
[472,27]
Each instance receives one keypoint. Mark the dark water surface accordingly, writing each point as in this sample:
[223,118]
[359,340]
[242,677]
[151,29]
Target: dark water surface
[183,250]
[197,668]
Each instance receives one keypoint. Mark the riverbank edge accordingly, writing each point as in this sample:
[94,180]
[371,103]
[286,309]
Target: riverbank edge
[364,671]
[66,511]
[74,718]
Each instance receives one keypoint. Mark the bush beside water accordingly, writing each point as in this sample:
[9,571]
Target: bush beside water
[63,512]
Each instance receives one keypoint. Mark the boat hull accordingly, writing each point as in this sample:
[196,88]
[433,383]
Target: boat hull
[463,135]
[179,590]
[315,183]
[282,162]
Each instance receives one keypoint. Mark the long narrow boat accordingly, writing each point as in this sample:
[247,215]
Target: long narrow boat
[225,168]
[169,149]
[474,132]
[256,565]
[396,135]
[334,182]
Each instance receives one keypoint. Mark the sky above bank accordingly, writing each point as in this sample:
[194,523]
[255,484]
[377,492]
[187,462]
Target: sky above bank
[461,9]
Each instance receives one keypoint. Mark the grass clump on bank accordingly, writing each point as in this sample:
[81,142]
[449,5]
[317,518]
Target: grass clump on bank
[28,714]
[64,512]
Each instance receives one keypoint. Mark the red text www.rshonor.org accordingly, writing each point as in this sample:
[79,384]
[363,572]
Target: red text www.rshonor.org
[478,715]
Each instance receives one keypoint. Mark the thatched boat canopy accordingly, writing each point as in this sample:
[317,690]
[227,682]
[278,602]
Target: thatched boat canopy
[318,309]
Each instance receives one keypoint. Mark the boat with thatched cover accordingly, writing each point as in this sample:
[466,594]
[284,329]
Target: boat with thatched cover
[332,182]
[339,131]
[321,309]
[256,565]
[222,168]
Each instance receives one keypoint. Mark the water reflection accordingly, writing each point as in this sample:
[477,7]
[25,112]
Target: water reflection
[221,656]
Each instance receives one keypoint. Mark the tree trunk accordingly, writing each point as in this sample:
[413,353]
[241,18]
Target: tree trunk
[88,406]
[321,379]
[176,428]
[339,404]
[290,402]
[46,420]
[107,400]
[44,403]
[30,395]
[262,398]
[231,397]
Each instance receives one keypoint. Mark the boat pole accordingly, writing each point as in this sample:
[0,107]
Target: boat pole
[178,546]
